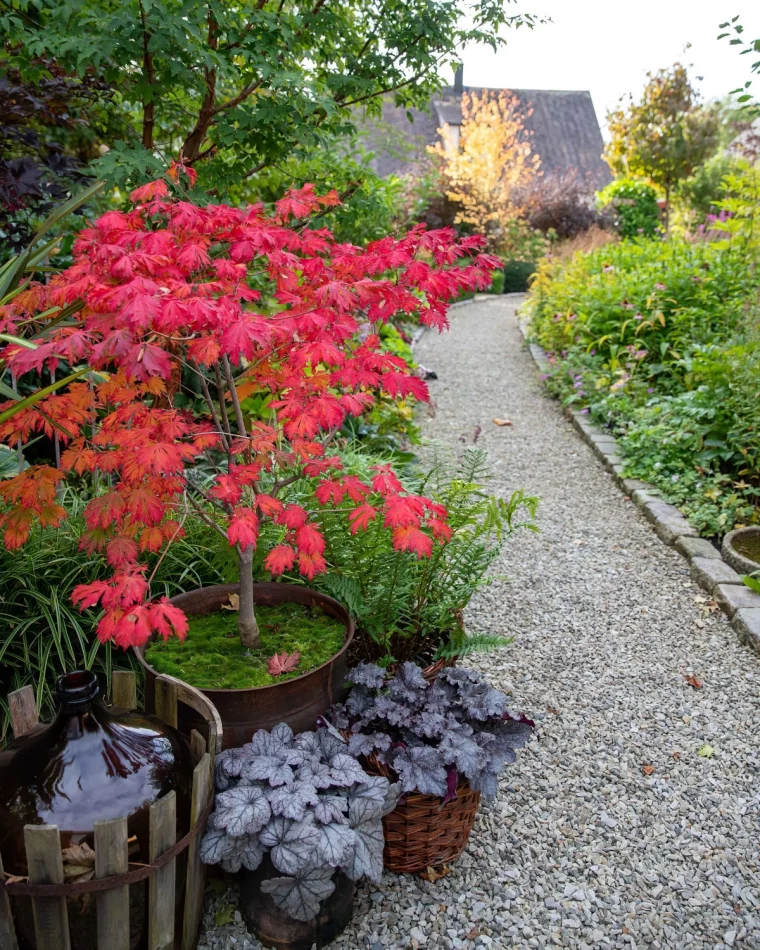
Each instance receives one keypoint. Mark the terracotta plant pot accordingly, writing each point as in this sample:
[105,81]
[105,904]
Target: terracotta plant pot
[274,928]
[741,549]
[299,701]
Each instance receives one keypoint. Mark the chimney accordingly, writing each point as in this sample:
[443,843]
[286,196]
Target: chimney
[459,80]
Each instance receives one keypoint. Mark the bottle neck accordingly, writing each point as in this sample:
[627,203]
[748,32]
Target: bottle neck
[79,706]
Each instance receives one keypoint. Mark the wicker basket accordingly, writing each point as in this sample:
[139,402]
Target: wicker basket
[423,833]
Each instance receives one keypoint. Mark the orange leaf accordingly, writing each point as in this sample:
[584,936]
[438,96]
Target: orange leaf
[693,681]
[647,769]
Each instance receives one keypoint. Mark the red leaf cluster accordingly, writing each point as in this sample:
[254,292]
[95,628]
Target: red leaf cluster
[231,294]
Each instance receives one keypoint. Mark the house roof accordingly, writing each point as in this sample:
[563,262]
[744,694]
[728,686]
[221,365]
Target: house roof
[562,124]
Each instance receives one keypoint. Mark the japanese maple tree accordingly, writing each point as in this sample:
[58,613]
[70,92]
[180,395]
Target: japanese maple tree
[245,302]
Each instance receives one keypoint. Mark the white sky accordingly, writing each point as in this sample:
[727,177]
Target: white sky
[608,46]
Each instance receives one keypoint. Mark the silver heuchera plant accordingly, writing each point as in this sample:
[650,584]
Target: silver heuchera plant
[307,802]
[432,734]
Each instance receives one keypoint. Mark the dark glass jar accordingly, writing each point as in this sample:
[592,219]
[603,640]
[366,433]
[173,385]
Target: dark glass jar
[88,765]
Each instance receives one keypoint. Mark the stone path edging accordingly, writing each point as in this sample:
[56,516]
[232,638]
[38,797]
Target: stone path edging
[708,569]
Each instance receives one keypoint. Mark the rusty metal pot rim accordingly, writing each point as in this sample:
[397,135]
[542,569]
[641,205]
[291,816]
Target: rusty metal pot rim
[230,588]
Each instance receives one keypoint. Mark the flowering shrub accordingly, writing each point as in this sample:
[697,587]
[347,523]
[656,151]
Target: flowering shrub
[242,303]
[432,735]
[308,804]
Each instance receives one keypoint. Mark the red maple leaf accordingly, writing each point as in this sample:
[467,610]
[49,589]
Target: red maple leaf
[281,663]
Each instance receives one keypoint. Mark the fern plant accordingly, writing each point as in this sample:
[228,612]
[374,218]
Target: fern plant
[412,608]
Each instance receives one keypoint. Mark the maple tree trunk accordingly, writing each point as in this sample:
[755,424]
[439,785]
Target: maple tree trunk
[248,628]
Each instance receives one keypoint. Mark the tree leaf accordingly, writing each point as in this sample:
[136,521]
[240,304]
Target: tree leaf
[281,663]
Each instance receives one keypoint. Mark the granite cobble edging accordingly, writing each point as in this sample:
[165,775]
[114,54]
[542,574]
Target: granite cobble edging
[707,567]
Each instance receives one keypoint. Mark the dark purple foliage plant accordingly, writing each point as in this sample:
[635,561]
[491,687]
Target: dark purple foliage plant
[432,735]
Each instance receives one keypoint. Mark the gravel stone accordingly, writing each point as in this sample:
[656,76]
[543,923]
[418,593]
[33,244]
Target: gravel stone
[607,626]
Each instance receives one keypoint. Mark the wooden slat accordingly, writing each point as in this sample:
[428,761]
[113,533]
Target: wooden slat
[111,857]
[166,699]
[124,689]
[196,870]
[161,892]
[23,710]
[7,930]
[196,700]
[197,745]
[43,856]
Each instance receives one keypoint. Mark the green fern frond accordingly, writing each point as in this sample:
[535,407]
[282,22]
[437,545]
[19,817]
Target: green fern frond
[477,643]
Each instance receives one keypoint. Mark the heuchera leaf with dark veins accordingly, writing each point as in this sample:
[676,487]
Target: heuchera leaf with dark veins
[301,896]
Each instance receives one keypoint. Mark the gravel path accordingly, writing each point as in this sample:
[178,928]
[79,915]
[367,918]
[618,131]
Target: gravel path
[612,830]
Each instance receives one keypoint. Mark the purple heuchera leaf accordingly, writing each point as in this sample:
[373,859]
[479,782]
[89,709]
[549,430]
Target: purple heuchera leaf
[268,768]
[292,800]
[421,769]
[366,858]
[368,674]
[241,811]
[372,800]
[361,744]
[464,753]
[301,896]
[316,772]
[331,808]
[292,844]
[346,771]
[359,701]
[432,725]
[396,713]
[408,685]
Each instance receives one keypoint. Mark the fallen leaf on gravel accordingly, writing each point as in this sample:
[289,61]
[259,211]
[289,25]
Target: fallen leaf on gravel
[503,422]
[676,756]
[476,434]
[435,874]
[475,932]
[694,681]
[706,752]
[647,769]
[234,603]
[553,710]
[699,623]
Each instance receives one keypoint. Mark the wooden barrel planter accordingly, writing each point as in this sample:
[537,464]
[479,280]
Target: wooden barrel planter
[422,832]
[51,898]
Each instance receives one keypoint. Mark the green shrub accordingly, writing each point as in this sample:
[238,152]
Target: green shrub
[517,275]
[633,205]
[658,343]
[497,284]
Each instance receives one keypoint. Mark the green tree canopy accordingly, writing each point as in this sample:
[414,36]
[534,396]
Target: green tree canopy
[666,135]
[236,86]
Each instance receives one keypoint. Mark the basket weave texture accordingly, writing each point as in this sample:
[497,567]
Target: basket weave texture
[422,832]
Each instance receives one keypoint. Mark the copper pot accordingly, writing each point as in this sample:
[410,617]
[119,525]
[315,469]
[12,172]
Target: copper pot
[299,701]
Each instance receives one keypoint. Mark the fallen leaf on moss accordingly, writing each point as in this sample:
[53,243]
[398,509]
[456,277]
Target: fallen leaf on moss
[282,663]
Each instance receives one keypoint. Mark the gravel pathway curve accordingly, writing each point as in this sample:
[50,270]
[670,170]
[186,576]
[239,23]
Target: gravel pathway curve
[612,830]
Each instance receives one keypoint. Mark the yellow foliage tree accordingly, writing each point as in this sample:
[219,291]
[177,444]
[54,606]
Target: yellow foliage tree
[487,170]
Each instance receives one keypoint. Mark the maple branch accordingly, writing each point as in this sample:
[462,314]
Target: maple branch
[204,515]
[234,397]
[222,404]
[212,409]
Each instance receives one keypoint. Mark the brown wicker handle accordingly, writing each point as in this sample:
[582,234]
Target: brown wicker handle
[140,873]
